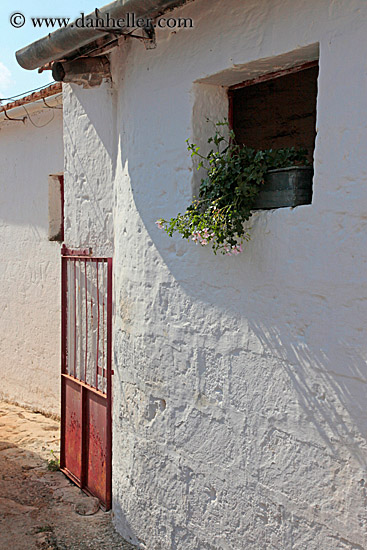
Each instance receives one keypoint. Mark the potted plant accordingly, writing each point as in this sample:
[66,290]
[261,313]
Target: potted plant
[238,180]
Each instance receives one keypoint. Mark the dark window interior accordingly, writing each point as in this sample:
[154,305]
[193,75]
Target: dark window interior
[276,113]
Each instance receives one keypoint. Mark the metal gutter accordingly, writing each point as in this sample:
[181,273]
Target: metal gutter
[63,42]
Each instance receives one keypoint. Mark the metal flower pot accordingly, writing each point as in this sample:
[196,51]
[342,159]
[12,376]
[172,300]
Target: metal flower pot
[285,187]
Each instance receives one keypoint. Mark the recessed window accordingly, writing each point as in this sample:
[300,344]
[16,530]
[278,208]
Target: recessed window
[276,110]
[56,207]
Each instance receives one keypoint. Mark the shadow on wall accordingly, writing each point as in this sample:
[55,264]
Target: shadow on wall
[288,310]
[91,156]
[289,313]
[333,403]
[294,402]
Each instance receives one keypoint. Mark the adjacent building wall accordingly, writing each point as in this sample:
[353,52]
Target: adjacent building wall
[239,383]
[29,262]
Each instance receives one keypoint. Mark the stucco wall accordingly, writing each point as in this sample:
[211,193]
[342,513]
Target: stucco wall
[90,156]
[29,263]
[240,383]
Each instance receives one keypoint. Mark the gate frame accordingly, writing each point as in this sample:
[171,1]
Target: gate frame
[66,254]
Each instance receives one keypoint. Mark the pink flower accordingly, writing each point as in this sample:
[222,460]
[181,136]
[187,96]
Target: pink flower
[234,250]
[159,224]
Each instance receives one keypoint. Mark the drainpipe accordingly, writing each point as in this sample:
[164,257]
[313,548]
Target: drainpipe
[62,43]
[85,71]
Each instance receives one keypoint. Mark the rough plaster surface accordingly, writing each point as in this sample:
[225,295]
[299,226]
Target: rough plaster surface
[239,416]
[90,157]
[29,263]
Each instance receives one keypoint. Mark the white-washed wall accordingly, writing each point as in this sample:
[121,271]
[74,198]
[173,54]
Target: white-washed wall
[29,263]
[90,157]
[240,383]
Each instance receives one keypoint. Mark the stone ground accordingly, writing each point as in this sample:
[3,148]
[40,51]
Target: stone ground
[41,509]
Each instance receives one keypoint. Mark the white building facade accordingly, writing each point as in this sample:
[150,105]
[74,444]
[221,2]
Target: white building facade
[30,152]
[239,387]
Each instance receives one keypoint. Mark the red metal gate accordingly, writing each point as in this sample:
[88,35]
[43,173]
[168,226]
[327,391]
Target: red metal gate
[86,435]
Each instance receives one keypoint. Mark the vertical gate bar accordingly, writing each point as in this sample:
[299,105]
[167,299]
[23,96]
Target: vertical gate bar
[103,328]
[109,387]
[68,337]
[86,320]
[97,354]
[83,438]
[64,282]
[63,354]
[74,262]
[80,318]
[92,339]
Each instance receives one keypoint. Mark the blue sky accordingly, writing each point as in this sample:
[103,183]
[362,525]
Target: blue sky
[13,79]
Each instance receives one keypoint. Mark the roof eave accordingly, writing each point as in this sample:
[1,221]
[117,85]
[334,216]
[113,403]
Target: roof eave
[64,43]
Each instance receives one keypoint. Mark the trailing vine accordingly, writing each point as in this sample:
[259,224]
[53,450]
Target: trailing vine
[234,176]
